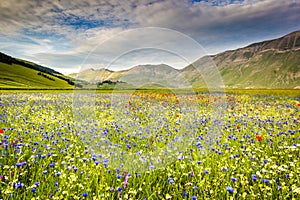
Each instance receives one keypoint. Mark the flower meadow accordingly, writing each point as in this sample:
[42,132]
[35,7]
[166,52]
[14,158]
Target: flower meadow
[149,145]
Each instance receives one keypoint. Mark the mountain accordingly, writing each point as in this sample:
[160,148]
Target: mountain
[16,73]
[268,64]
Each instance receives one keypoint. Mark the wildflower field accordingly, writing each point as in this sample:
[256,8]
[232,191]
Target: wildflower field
[149,145]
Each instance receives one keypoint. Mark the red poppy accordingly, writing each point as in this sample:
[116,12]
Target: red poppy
[259,138]
[129,102]
[232,108]
[238,127]
[298,104]
[1,131]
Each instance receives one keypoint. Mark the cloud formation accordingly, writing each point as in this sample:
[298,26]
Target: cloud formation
[61,34]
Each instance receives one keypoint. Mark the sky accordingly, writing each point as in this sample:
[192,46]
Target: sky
[70,36]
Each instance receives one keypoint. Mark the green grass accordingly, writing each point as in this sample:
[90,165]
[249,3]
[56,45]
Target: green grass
[16,76]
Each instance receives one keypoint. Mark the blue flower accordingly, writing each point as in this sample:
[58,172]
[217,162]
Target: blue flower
[230,189]
[195,187]
[19,164]
[185,194]
[265,180]
[118,176]
[37,183]
[194,198]
[120,189]
[58,174]
[33,189]
[171,180]
[85,194]
[233,179]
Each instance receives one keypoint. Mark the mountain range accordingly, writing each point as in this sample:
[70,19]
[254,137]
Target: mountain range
[268,64]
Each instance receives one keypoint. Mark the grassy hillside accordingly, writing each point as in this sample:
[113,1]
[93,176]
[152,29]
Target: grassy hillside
[269,69]
[17,76]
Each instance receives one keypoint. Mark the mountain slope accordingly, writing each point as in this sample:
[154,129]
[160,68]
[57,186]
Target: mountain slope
[268,64]
[15,73]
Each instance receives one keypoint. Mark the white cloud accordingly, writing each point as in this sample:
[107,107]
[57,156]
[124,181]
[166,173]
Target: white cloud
[50,32]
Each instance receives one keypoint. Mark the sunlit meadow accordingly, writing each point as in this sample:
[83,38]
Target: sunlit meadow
[231,146]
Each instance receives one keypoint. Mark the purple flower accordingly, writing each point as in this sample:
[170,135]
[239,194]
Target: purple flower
[126,180]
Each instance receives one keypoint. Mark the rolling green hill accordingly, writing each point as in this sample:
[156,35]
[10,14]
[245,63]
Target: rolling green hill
[15,73]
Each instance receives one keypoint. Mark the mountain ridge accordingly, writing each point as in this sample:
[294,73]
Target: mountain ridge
[268,64]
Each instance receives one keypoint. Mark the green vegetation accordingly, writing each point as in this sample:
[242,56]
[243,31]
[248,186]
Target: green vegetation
[251,151]
[17,76]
